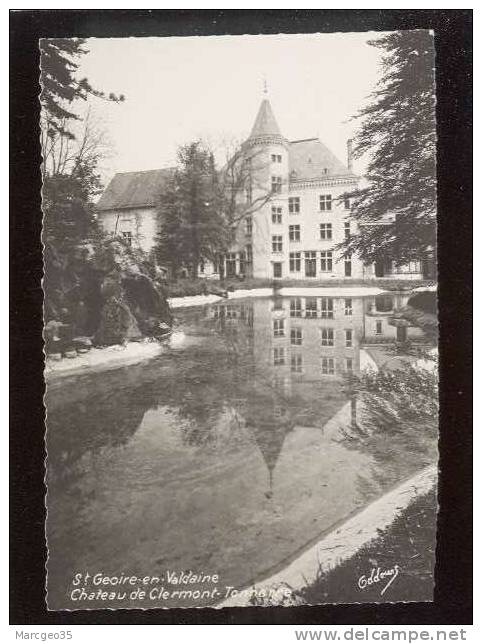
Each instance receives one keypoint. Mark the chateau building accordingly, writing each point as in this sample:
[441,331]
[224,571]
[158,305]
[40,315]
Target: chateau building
[295,211]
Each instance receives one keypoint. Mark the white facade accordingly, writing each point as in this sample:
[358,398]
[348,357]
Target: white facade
[292,237]
[137,225]
[295,212]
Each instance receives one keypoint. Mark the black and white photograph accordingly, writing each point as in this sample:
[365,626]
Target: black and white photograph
[240,319]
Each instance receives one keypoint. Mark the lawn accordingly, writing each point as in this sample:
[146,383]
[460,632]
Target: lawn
[408,543]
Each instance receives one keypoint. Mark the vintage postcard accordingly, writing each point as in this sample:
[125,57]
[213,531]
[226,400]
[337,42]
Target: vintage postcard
[240,319]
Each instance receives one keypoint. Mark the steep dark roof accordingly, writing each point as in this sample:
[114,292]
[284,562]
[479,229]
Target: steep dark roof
[265,124]
[134,189]
[311,159]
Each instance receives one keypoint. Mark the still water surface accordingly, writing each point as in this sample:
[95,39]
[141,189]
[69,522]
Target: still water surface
[215,457]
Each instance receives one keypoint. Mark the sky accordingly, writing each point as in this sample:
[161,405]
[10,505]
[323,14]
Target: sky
[181,89]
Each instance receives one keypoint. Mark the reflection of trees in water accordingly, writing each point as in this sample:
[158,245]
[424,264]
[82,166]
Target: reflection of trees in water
[397,420]
[210,388]
[219,389]
[104,418]
[229,398]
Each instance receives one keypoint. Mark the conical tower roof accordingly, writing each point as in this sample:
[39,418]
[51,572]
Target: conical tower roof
[265,124]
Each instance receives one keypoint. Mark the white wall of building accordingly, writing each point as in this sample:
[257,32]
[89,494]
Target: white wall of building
[141,223]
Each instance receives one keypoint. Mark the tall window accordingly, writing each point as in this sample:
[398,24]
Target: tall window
[278,356]
[327,338]
[278,328]
[296,363]
[296,336]
[249,181]
[347,204]
[325,202]
[249,192]
[379,327]
[294,232]
[230,264]
[327,308]
[348,266]
[231,312]
[276,158]
[293,205]
[276,214]
[347,229]
[127,237]
[310,263]
[326,231]
[348,338]
[328,366]
[249,254]
[275,184]
[349,364]
[277,243]
[311,307]
[295,307]
[249,226]
[242,262]
[348,306]
[295,262]
[326,261]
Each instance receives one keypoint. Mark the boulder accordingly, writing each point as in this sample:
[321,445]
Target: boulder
[57,336]
[117,323]
[82,343]
[147,303]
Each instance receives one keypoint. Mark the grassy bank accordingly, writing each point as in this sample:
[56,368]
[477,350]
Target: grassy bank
[186,287]
[409,543]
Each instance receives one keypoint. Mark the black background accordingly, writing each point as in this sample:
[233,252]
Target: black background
[453,42]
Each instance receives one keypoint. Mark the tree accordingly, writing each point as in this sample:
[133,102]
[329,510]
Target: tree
[398,133]
[202,208]
[68,228]
[193,224]
[63,155]
[243,181]
[60,88]
[397,413]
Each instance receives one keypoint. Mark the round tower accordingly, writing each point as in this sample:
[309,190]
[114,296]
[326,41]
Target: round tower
[266,151]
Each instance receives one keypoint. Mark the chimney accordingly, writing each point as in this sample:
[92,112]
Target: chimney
[349,154]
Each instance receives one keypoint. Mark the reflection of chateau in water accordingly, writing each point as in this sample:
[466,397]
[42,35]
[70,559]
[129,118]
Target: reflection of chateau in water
[219,445]
[307,339]
[272,364]
[298,349]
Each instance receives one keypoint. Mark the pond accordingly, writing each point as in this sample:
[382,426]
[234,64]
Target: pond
[218,457]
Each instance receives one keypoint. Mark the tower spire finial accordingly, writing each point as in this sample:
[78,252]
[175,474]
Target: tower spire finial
[265,85]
